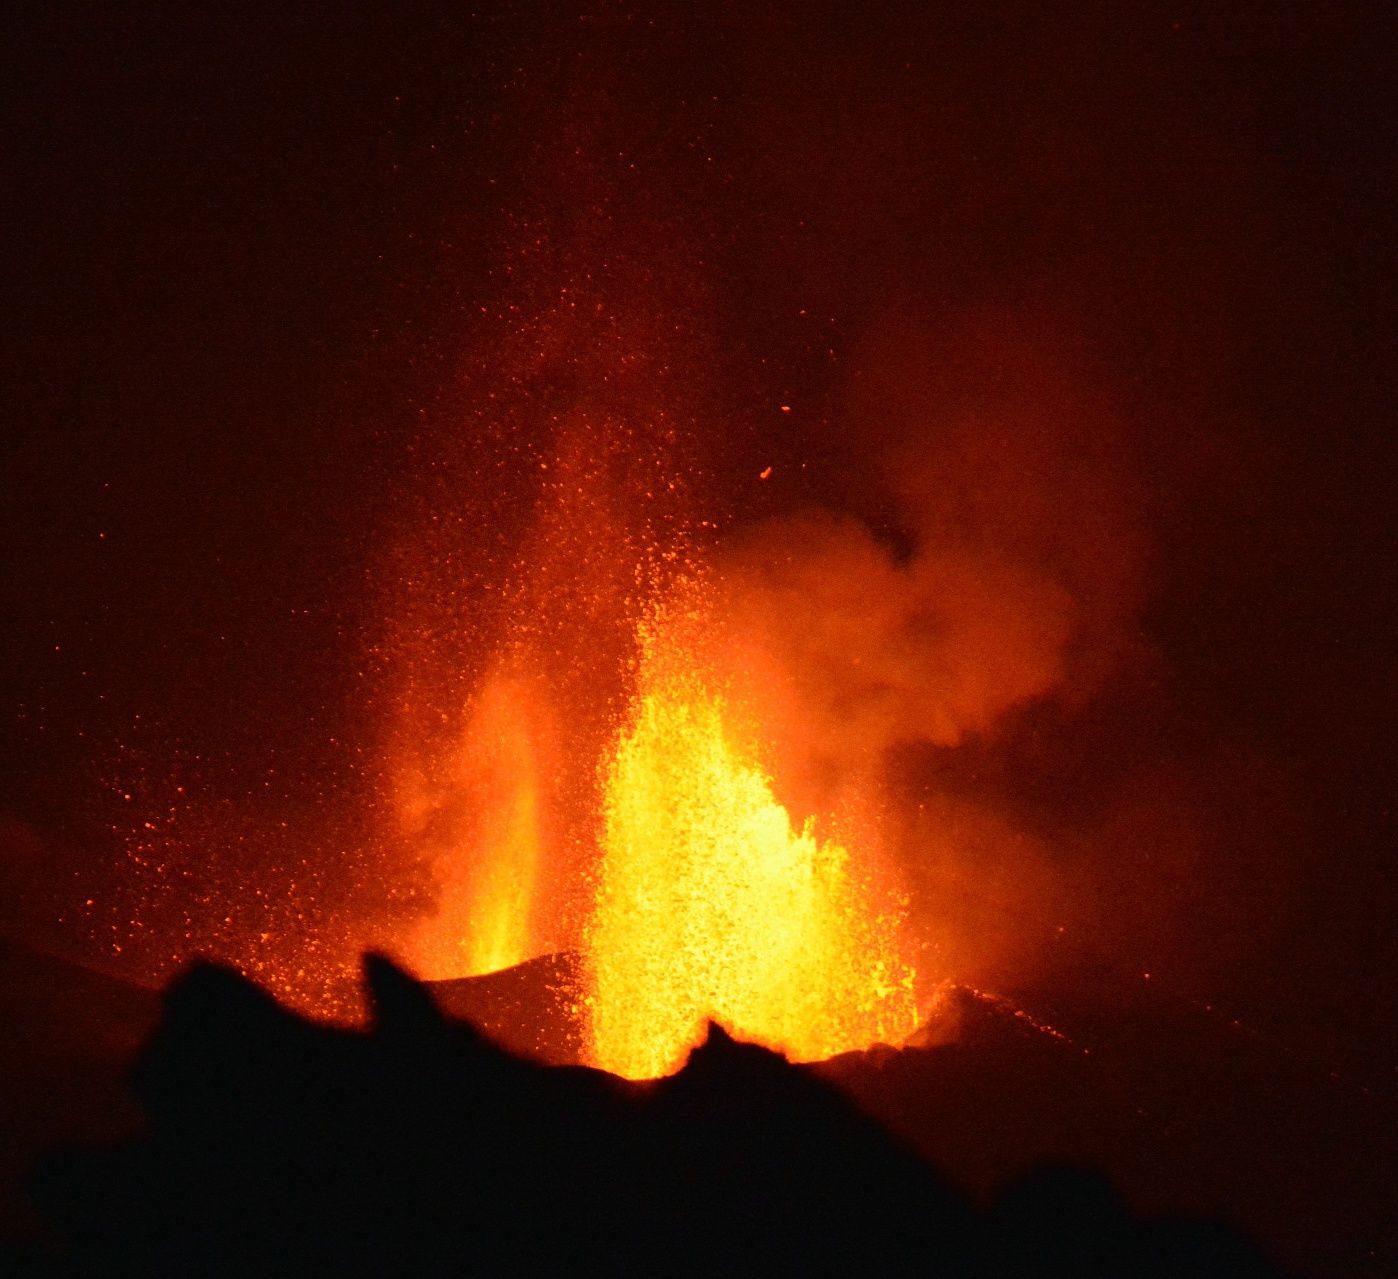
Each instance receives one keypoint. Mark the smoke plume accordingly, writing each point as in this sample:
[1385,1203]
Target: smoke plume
[1012,575]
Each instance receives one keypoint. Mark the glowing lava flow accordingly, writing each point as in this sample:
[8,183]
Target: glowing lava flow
[710,904]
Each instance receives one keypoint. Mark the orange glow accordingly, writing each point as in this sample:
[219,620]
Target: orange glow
[710,903]
[486,827]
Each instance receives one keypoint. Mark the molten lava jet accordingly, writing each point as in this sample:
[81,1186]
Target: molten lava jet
[711,903]
[485,824]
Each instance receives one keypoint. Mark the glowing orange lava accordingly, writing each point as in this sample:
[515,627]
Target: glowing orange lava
[485,823]
[711,904]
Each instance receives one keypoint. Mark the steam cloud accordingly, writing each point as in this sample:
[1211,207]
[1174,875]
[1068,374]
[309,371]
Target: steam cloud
[1018,572]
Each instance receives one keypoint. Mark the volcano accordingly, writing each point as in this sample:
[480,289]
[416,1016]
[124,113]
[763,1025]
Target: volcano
[868,527]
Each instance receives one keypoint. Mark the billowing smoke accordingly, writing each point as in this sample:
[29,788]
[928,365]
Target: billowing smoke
[876,649]
[1016,571]
[1009,577]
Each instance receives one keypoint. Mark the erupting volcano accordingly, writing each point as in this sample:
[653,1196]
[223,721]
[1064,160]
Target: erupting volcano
[702,898]
[869,527]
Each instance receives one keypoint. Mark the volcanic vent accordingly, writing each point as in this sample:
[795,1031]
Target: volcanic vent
[648,836]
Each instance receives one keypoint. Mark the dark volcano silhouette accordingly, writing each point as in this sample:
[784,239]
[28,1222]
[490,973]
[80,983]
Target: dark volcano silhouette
[274,1144]
[277,1130]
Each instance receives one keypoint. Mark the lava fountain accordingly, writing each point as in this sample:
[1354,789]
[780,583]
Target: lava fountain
[485,824]
[711,903]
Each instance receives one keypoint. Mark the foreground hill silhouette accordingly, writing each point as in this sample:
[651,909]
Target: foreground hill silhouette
[275,1145]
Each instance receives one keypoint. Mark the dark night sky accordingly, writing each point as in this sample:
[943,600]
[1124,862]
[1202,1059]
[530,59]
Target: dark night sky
[246,254]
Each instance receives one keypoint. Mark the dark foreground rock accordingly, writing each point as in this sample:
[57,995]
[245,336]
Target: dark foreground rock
[274,1145]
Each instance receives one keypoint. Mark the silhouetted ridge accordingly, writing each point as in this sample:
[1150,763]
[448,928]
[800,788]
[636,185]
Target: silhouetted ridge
[526,1008]
[419,1147]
